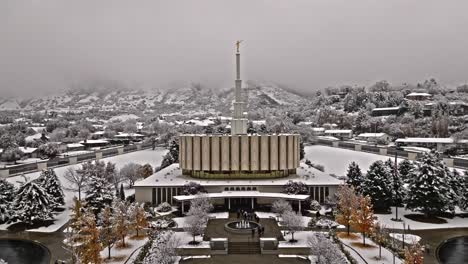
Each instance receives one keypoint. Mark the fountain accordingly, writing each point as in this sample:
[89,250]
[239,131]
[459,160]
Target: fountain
[23,251]
[241,227]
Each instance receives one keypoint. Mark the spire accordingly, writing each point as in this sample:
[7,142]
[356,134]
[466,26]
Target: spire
[239,122]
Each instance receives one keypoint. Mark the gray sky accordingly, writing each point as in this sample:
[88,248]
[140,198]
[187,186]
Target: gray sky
[306,45]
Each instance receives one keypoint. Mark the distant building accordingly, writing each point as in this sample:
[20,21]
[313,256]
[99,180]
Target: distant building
[387,111]
[29,152]
[318,131]
[94,143]
[419,96]
[439,144]
[339,133]
[374,137]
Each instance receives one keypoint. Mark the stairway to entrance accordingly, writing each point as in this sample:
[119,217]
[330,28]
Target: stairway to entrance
[244,247]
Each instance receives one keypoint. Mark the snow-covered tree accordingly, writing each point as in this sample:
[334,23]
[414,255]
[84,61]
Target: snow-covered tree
[131,171]
[463,203]
[91,247]
[7,196]
[293,223]
[347,204]
[325,250]
[378,185]
[398,191]
[363,217]
[315,205]
[429,186]
[121,219]
[354,176]
[138,218]
[163,248]
[108,236]
[172,156]
[51,184]
[99,194]
[122,192]
[197,216]
[280,206]
[77,181]
[295,187]
[49,150]
[32,203]
[146,170]
[11,154]
[192,188]
[404,168]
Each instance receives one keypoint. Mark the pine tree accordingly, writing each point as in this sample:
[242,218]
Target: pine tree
[50,182]
[363,217]
[463,202]
[122,192]
[456,183]
[99,194]
[354,176]
[378,185]
[7,195]
[398,191]
[108,236]
[172,156]
[429,186]
[347,203]
[404,168]
[32,203]
[91,248]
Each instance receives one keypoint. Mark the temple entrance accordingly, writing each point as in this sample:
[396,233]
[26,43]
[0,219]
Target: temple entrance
[235,204]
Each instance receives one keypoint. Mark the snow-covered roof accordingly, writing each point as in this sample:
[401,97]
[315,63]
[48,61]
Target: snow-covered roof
[429,140]
[172,176]
[99,133]
[27,150]
[243,194]
[386,108]
[94,141]
[318,129]
[34,137]
[328,138]
[419,94]
[338,131]
[258,122]
[372,135]
[305,123]
[74,145]
[129,135]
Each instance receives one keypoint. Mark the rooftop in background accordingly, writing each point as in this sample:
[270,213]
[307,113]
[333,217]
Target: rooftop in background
[430,140]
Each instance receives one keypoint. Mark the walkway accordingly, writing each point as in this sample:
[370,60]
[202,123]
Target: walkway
[244,259]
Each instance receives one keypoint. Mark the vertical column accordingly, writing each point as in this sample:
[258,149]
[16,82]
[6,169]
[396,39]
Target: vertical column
[229,203]
[252,200]
[183,207]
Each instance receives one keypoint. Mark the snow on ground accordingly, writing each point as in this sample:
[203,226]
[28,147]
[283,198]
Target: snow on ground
[265,214]
[409,238]
[153,157]
[370,254]
[337,160]
[120,255]
[124,117]
[219,215]
[410,224]
[184,239]
[300,236]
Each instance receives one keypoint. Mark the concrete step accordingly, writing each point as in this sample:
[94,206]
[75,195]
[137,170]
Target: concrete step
[244,247]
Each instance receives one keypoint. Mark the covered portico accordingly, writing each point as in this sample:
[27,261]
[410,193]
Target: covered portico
[243,194]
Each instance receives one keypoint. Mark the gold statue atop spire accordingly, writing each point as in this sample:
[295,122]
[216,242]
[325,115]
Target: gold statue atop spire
[238,45]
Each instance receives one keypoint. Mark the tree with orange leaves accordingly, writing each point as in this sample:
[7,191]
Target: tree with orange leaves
[414,254]
[363,217]
[379,235]
[91,251]
[347,204]
[138,218]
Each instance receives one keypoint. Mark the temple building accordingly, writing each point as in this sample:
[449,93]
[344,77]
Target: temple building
[237,169]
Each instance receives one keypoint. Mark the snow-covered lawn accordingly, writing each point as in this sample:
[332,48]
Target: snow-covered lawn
[267,215]
[336,160]
[153,157]
[185,238]
[385,219]
[409,238]
[219,215]
[370,253]
[300,236]
[120,255]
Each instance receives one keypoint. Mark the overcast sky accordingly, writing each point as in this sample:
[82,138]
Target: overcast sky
[306,45]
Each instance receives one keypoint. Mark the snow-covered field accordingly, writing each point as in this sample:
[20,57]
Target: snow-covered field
[408,238]
[153,157]
[336,160]
[385,219]
[370,254]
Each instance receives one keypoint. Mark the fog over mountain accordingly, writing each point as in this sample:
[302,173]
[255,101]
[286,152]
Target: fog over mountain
[48,46]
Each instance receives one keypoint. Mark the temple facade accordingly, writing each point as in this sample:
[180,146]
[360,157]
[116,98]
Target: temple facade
[237,169]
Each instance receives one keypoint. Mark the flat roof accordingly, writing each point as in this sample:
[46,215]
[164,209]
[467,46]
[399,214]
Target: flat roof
[430,140]
[245,194]
[172,176]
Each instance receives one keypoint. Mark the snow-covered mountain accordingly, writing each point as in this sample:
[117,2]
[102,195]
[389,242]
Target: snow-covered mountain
[192,98]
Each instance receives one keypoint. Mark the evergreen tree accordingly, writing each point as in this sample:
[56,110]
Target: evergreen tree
[378,185]
[457,184]
[122,192]
[172,156]
[429,186]
[32,203]
[404,168]
[7,195]
[398,191]
[354,176]
[51,184]
[463,202]
[99,194]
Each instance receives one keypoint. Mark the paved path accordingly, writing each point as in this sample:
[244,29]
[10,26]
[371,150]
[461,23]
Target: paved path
[245,259]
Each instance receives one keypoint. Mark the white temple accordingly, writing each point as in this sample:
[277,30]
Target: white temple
[239,121]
